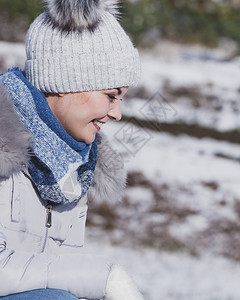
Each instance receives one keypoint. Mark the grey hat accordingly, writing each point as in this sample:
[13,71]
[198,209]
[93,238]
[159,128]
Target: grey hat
[82,47]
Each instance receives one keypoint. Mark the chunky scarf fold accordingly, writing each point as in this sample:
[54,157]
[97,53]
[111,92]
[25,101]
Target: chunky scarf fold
[61,168]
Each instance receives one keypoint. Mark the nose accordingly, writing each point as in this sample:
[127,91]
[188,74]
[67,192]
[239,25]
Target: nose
[115,112]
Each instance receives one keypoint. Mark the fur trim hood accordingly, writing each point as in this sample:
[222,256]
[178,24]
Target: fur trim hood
[15,144]
[110,175]
[15,140]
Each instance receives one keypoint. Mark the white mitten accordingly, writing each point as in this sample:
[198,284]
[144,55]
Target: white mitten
[120,286]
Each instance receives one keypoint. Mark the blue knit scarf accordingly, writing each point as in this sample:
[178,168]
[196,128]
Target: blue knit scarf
[61,168]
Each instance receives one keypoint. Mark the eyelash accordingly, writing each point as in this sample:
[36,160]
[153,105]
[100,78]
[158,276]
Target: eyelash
[112,97]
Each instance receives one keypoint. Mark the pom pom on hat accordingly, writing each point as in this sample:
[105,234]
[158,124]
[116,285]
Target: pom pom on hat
[77,15]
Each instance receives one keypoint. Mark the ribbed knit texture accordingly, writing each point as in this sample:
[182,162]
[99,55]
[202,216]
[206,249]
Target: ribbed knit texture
[60,63]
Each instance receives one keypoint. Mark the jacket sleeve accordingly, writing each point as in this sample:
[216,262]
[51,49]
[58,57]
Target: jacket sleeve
[83,275]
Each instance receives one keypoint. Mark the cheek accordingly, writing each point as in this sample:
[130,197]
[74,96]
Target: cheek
[74,119]
[99,109]
[93,109]
[103,106]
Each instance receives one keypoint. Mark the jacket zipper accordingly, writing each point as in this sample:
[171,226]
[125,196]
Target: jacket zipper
[48,224]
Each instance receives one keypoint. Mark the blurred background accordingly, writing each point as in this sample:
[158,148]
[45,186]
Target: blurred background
[177,230]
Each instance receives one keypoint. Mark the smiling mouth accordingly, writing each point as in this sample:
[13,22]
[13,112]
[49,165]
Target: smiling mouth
[97,124]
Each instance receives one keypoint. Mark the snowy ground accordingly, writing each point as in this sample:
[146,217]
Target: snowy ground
[201,84]
[177,276]
[177,230]
[11,54]
[187,205]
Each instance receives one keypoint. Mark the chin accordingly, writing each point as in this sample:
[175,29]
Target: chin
[86,140]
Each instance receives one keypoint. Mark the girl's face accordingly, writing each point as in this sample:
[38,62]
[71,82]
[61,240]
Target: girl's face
[82,114]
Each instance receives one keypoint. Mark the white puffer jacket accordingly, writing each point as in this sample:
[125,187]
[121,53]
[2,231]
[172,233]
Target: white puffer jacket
[33,255]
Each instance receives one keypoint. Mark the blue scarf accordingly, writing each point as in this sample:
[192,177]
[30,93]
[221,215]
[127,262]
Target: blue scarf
[61,168]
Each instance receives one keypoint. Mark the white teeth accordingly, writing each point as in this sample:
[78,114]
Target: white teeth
[99,124]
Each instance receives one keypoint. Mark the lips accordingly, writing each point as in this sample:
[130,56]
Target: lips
[97,124]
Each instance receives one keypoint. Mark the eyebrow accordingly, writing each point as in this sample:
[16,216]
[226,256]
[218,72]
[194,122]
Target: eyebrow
[119,91]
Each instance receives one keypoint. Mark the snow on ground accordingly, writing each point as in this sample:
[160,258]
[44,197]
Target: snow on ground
[182,159]
[187,65]
[176,276]
[214,115]
[196,180]
[210,79]
[11,54]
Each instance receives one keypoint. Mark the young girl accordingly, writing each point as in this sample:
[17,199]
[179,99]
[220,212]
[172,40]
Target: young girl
[80,63]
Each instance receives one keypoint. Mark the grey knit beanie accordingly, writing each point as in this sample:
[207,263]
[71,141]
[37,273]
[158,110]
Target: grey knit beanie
[78,45]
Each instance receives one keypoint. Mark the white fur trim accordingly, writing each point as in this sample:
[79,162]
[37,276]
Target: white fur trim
[15,140]
[110,175]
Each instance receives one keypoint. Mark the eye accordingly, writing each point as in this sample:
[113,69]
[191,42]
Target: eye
[111,97]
